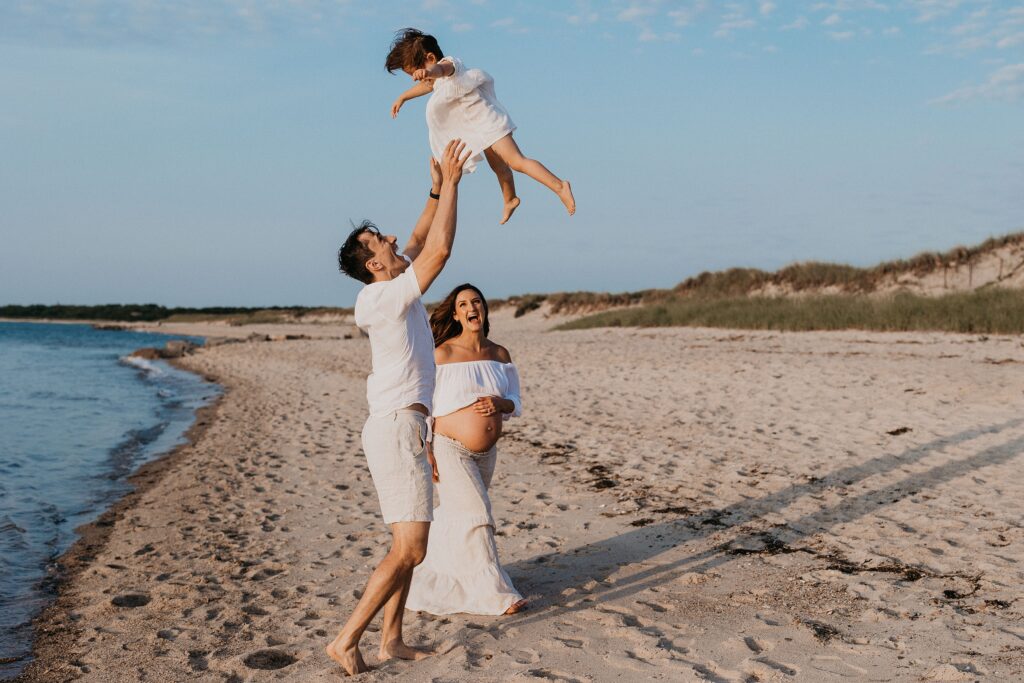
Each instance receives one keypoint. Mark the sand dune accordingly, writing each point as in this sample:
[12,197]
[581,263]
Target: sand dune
[677,504]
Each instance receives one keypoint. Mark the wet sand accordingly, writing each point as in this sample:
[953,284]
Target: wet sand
[677,504]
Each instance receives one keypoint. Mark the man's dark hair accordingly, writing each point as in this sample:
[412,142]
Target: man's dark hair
[353,255]
[409,50]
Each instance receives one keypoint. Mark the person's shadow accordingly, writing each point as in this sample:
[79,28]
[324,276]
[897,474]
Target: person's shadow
[552,574]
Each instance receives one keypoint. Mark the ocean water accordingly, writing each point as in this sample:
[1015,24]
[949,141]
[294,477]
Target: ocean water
[77,416]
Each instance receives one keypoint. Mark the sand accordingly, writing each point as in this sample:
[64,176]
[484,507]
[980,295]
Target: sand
[677,504]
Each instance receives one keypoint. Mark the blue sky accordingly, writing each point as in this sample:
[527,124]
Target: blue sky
[212,152]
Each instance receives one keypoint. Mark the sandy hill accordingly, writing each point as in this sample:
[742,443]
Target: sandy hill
[996,262]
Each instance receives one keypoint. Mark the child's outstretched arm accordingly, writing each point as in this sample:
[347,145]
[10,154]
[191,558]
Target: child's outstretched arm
[419,90]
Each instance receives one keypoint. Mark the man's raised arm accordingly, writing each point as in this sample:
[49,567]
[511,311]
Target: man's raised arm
[438,245]
[419,233]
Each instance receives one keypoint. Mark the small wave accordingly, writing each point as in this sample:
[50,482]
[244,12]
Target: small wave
[125,456]
[7,524]
[147,367]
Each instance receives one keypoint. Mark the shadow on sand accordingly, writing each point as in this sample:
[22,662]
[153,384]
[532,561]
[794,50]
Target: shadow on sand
[551,574]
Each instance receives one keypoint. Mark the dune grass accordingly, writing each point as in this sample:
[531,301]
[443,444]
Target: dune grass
[810,275]
[987,311]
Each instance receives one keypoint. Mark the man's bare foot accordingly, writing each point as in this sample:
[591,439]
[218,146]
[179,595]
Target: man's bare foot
[510,207]
[518,606]
[399,650]
[347,656]
[565,194]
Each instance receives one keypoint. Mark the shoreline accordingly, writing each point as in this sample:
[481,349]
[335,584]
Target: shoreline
[52,630]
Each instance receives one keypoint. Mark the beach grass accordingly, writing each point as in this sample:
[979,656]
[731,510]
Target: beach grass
[985,311]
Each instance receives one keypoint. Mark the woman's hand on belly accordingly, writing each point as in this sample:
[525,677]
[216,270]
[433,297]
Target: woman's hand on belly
[493,405]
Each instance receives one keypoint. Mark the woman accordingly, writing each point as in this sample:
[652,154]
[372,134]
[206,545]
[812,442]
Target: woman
[477,389]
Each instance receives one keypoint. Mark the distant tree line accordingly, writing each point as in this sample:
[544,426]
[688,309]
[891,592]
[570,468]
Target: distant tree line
[128,312]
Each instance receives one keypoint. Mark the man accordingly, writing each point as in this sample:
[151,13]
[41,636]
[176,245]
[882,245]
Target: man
[399,391]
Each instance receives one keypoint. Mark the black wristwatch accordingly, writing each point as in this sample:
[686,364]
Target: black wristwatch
[434,195]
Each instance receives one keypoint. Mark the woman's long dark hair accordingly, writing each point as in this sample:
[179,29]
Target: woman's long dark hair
[442,321]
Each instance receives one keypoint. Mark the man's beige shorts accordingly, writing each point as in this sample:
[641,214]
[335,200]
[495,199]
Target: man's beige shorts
[396,453]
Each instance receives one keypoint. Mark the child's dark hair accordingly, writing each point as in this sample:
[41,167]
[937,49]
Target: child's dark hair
[410,49]
[353,255]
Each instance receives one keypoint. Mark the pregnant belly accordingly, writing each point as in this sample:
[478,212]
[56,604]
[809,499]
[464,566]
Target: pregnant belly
[474,431]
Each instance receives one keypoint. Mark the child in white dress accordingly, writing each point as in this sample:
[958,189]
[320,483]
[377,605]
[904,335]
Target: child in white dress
[463,105]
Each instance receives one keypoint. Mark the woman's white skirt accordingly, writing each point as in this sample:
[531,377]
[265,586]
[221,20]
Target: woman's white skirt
[461,573]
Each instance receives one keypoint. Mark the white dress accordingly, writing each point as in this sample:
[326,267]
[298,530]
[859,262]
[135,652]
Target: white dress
[464,106]
[461,572]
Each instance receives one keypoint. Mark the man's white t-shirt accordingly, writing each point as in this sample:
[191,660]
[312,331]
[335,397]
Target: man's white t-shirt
[401,344]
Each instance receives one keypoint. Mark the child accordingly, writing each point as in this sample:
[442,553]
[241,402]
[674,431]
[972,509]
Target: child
[463,105]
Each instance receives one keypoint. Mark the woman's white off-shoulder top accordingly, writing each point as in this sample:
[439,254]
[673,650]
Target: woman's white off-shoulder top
[461,384]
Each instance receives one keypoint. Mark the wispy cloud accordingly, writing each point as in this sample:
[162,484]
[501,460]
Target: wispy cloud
[1006,83]
[734,20]
[1011,41]
[510,24]
[687,13]
[634,12]
[988,27]
[930,10]
[654,23]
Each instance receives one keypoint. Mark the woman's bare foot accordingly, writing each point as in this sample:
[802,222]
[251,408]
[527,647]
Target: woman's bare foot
[399,650]
[347,655]
[510,207]
[565,194]
[517,607]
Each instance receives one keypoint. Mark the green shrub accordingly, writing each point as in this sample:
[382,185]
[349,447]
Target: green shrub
[989,311]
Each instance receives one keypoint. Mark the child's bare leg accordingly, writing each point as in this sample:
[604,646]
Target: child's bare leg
[508,150]
[506,180]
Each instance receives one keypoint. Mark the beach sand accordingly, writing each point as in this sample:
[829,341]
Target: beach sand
[677,504]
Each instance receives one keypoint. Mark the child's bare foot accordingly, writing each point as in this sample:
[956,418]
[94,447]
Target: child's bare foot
[510,207]
[399,650]
[518,606]
[347,655]
[565,194]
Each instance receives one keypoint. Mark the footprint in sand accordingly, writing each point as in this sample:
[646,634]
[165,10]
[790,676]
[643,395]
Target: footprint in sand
[130,600]
[255,610]
[571,642]
[560,676]
[526,656]
[268,660]
[197,660]
[653,605]
[778,666]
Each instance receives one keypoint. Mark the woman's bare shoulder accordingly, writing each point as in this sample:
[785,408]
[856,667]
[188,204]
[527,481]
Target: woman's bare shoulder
[443,353]
[500,353]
